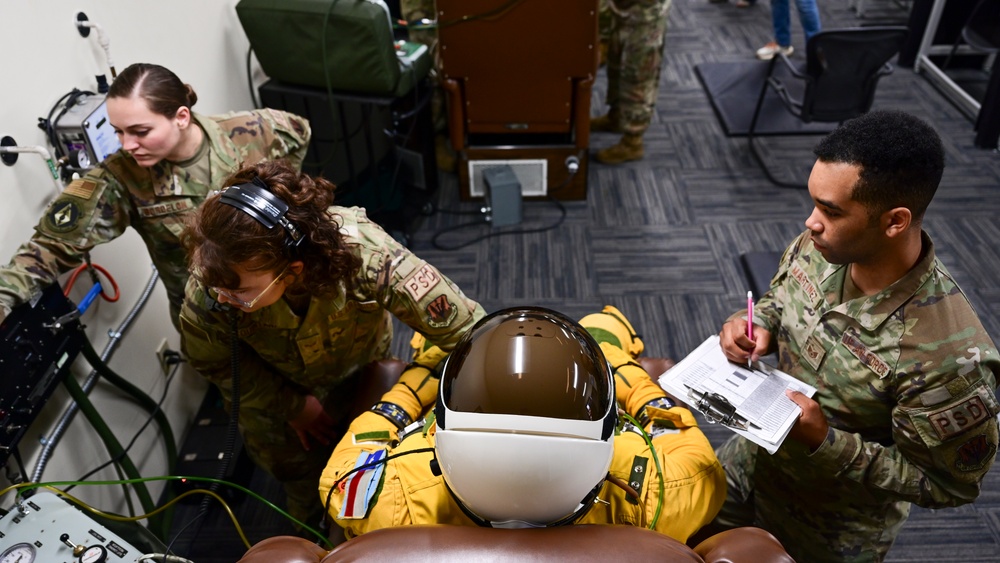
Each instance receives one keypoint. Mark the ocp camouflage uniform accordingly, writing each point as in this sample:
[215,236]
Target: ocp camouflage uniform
[411,494]
[285,357]
[635,32]
[906,379]
[118,193]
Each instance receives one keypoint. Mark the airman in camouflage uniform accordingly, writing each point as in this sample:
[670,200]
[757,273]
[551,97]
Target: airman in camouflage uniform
[636,31]
[155,201]
[905,375]
[284,356]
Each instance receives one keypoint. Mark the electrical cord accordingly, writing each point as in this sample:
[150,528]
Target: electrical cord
[149,419]
[92,268]
[562,217]
[29,486]
[439,233]
[229,443]
[253,95]
[656,460]
[336,484]
[49,123]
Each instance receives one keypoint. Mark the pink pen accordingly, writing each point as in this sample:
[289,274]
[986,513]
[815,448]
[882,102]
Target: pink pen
[750,323]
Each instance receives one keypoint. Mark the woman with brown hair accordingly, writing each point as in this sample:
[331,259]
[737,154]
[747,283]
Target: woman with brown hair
[302,293]
[170,159]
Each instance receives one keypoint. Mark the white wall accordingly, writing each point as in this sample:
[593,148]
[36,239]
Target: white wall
[45,57]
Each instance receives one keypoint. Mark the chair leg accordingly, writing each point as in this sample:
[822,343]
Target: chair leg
[767,171]
[753,128]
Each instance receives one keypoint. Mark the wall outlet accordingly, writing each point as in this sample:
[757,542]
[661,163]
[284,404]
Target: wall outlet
[161,357]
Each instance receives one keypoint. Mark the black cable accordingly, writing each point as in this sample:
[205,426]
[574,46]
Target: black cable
[253,96]
[439,246]
[336,484]
[138,433]
[231,432]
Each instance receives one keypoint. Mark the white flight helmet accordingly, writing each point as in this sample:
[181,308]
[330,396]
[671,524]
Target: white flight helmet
[526,416]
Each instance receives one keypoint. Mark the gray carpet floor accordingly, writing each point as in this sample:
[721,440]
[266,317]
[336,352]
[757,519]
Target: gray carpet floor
[660,238]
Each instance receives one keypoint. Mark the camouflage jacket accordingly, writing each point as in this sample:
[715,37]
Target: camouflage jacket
[906,379]
[155,201]
[284,357]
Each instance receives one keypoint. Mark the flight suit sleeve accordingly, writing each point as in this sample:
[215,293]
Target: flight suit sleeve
[291,136]
[369,433]
[206,342]
[91,210]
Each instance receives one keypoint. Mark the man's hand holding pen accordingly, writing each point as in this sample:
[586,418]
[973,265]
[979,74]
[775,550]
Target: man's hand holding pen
[738,347]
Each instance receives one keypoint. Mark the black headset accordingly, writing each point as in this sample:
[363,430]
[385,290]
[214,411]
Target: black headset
[256,200]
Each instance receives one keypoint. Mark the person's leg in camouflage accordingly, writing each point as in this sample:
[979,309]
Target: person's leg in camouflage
[633,77]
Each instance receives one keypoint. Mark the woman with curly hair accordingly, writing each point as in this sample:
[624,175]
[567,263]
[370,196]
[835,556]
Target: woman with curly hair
[300,293]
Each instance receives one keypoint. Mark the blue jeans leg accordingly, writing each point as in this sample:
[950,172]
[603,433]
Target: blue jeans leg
[781,20]
[808,17]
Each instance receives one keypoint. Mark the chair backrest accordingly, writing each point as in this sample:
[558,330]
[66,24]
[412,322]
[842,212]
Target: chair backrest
[844,66]
[982,31]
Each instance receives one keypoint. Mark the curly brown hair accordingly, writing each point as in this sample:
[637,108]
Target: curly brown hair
[220,236]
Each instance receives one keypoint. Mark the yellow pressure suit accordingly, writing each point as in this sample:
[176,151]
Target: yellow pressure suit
[408,492]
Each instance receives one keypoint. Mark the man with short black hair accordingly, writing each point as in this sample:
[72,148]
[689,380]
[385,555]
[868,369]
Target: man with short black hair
[861,308]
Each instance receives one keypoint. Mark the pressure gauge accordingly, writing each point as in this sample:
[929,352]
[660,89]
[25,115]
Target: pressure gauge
[79,158]
[20,553]
[94,554]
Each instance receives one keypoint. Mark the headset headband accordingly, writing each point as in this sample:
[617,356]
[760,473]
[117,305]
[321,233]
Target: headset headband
[256,200]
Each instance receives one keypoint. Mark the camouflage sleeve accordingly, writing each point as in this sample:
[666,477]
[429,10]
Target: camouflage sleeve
[944,435]
[206,343]
[91,210]
[767,310]
[415,291]
[291,136]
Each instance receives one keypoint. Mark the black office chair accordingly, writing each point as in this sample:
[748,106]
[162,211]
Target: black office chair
[836,83]
[981,31]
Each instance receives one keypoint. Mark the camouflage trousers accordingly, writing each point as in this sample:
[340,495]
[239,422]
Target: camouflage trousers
[274,446]
[635,55]
[846,537]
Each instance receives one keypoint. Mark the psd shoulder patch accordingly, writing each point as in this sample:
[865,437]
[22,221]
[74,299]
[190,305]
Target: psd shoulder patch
[955,419]
[421,282]
[63,216]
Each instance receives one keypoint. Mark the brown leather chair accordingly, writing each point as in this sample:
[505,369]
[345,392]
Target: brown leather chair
[444,544]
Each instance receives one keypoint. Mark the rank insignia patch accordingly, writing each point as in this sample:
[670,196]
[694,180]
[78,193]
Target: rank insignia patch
[63,217]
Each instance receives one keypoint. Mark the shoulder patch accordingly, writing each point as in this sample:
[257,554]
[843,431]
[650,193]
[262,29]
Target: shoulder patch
[361,487]
[441,312]
[421,282]
[81,188]
[974,454]
[63,216]
[956,419]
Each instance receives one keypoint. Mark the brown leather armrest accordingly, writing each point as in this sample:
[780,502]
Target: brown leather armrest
[743,545]
[284,549]
[444,544]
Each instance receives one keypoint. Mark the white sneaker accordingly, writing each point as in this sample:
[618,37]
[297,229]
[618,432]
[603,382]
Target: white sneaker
[767,52]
